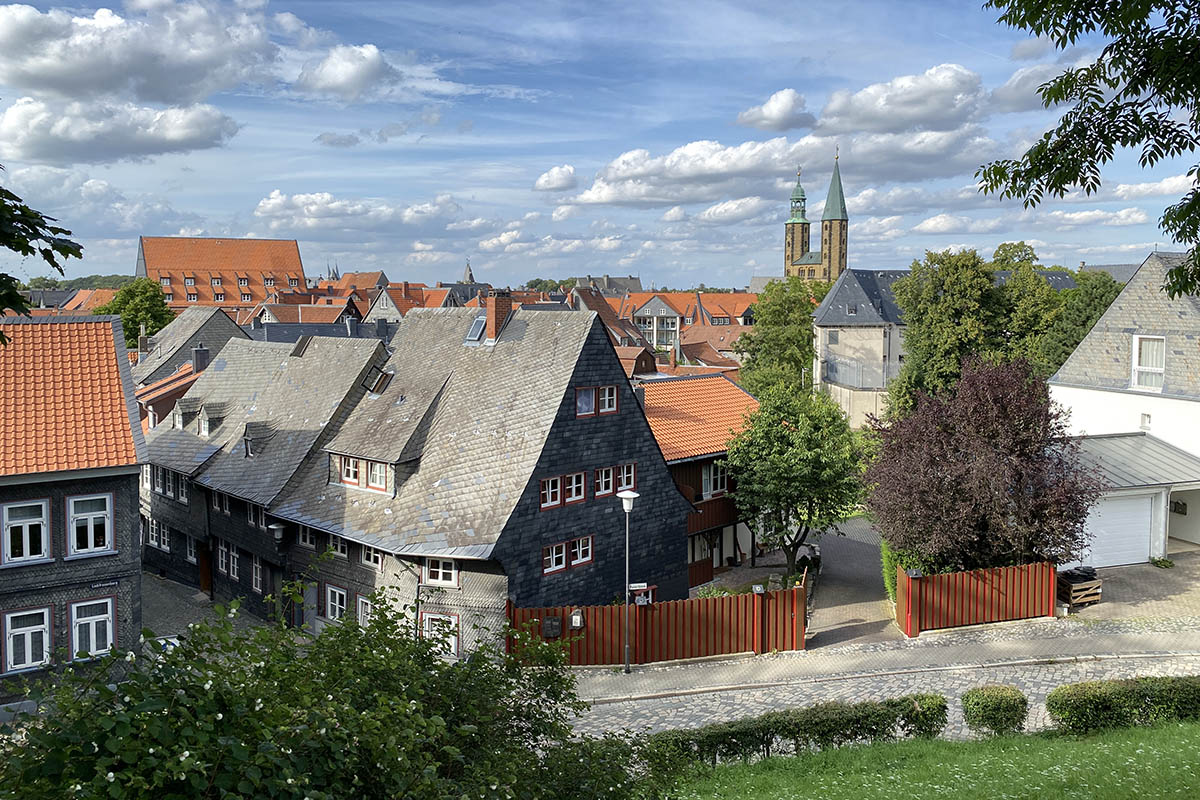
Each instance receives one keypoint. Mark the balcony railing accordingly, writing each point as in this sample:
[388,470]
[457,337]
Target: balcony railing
[855,374]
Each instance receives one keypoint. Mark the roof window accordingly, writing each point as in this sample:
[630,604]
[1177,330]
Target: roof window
[476,332]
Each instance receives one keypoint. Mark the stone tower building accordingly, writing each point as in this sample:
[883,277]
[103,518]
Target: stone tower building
[829,262]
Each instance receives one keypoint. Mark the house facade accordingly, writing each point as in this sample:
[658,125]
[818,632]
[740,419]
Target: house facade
[476,465]
[70,571]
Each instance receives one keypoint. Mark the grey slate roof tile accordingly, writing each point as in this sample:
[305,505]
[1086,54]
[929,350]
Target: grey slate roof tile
[166,343]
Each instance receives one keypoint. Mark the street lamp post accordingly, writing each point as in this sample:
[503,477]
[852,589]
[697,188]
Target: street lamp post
[627,498]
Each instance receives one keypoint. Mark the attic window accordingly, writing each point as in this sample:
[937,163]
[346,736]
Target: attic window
[377,381]
[476,332]
[851,310]
[249,447]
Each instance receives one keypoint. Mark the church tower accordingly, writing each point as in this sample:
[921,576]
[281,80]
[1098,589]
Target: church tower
[834,224]
[795,230]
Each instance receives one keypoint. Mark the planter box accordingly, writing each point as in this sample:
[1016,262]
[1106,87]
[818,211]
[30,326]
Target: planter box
[970,598]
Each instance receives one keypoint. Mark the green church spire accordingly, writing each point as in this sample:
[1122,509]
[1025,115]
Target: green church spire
[798,201]
[835,201]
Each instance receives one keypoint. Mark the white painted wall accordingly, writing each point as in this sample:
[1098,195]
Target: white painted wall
[1186,527]
[1095,411]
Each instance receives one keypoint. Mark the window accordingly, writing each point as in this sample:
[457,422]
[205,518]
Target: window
[293,281]
[585,402]
[626,477]
[371,557]
[234,563]
[220,502]
[441,572]
[1149,362]
[189,548]
[256,573]
[158,479]
[604,481]
[687,320]
[476,331]
[189,281]
[168,297]
[268,281]
[608,399]
[222,556]
[192,297]
[26,533]
[364,611]
[256,515]
[339,546]
[246,297]
[349,469]
[219,297]
[442,628]
[720,320]
[152,535]
[551,492]
[165,281]
[307,538]
[26,639]
[377,475]
[216,280]
[169,480]
[581,550]
[243,281]
[715,479]
[91,628]
[833,337]
[335,602]
[204,429]
[146,475]
[554,558]
[1145,422]
[90,524]
[182,496]
[576,488]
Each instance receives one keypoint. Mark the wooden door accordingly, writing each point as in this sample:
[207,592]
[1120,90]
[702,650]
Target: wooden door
[204,567]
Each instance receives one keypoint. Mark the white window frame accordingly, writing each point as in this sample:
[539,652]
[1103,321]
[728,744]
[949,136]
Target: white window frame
[256,515]
[622,469]
[146,476]
[74,516]
[1138,369]
[192,297]
[235,565]
[339,545]
[268,281]
[363,609]
[440,572]
[550,488]
[77,623]
[606,400]
[243,281]
[554,558]
[219,297]
[189,281]
[256,574]
[330,591]
[246,298]
[579,551]
[381,468]
[605,482]
[10,635]
[168,297]
[164,281]
[714,480]
[168,483]
[580,393]
[370,557]
[181,486]
[307,537]
[574,488]
[189,548]
[293,281]
[430,621]
[222,557]
[6,556]
[348,470]
[205,430]
[158,479]
[152,533]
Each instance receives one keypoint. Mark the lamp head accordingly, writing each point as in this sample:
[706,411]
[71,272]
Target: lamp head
[627,498]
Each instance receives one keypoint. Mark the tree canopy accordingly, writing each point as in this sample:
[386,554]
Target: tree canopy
[796,468]
[1142,91]
[544,284]
[779,351]
[1081,307]
[139,302]
[983,476]
[82,282]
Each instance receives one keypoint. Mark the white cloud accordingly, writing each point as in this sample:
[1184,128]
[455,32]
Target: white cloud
[782,111]
[950,223]
[348,72]
[1031,49]
[180,53]
[421,246]
[475,224]
[1175,185]
[1073,219]
[673,214]
[1019,92]
[731,211]
[878,228]
[322,211]
[34,130]
[563,213]
[941,98]
[431,258]
[500,242]
[556,179]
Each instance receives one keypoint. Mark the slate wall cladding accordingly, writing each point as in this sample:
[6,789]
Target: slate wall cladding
[181,520]
[658,525]
[235,529]
[64,581]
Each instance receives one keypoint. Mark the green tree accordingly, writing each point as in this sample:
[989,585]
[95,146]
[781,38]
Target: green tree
[543,284]
[796,468]
[1011,255]
[1032,307]
[29,233]
[1142,91]
[779,351]
[1081,308]
[139,302]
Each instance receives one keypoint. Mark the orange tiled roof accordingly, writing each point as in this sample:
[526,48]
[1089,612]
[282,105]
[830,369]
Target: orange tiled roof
[63,396]
[181,378]
[719,337]
[706,353]
[404,303]
[435,298]
[313,313]
[696,416]
[89,299]
[361,280]
[264,265]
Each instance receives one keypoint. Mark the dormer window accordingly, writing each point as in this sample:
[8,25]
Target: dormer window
[349,470]
[852,310]
[219,297]
[1149,362]
[377,381]
[164,281]
[216,280]
[189,281]
[243,281]
[191,297]
[293,282]
[245,297]
[204,427]
[268,281]
[476,332]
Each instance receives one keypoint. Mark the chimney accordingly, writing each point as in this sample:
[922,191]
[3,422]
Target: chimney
[499,305]
[199,358]
[404,291]
[671,360]
[143,341]
[381,328]
[351,327]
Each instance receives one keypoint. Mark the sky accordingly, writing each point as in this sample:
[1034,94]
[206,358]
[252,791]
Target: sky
[542,139]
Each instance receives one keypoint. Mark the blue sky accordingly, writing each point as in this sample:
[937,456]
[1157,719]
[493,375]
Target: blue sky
[540,139]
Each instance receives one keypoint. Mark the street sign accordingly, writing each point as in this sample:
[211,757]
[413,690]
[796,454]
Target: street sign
[637,587]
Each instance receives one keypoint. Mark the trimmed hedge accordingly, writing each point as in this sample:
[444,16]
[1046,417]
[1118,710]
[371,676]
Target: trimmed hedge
[814,727]
[995,709]
[1101,705]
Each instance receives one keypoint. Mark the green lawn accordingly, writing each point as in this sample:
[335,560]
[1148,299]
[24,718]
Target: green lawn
[1136,763]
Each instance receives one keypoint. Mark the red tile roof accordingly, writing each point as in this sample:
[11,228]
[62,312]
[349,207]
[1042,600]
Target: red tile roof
[180,379]
[63,396]
[435,298]
[719,337]
[696,416]
[361,280]
[258,262]
[89,299]
[313,313]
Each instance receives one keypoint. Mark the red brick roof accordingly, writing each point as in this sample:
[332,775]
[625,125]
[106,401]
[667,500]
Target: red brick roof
[697,416]
[257,262]
[63,396]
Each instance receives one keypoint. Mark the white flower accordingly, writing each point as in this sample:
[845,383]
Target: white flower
[110,777]
[328,697]
[207,685]
[127,698]
[130,656]
[220,716]
[258,704]
[322,731]
[141,639]
[151,751]
[291,781]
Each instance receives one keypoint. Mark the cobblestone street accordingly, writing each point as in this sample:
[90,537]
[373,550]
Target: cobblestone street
[169,607]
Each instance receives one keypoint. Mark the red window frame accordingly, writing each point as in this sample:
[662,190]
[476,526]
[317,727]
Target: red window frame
[342,462]
[620,469]
[578,391]
[544,493]
[616,398]
[612,482]
[581,479]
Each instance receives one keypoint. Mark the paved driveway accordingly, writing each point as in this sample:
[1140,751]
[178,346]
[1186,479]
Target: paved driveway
[851,604]
[1144,590]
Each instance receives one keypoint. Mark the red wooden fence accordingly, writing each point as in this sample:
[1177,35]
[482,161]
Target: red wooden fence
[971,598]
[710,626]
[700,571]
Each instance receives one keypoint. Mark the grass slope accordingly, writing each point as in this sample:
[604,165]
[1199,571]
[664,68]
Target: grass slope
[1138,763]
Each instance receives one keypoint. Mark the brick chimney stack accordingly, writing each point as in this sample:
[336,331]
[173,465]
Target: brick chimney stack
[499,305]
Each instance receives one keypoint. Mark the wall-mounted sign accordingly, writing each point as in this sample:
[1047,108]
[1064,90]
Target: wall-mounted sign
[104,585]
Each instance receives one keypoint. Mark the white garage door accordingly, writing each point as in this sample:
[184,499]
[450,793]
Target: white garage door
[1120,528]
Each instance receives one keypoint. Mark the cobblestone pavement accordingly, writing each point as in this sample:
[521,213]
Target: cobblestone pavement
[169,607]
[850,603]
[1146,591]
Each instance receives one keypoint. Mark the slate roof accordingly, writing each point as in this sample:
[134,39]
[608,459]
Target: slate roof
[478,436]
[66,396]
[1103,360]
[1057,278]
[47,298]
[1135,460]
[869,292]
[165,344]
[695,416]
[291,332]
[1121,273]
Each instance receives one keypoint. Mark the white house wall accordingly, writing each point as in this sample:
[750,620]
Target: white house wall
[1186,526]
[1097,411]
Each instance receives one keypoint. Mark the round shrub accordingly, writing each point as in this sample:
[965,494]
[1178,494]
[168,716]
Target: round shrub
[996,710]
